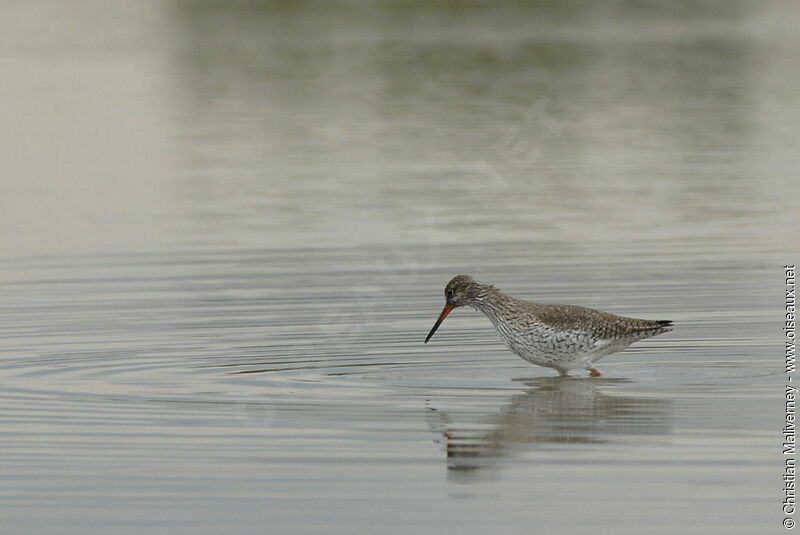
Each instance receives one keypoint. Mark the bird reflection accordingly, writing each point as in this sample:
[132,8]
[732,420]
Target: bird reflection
[551,410]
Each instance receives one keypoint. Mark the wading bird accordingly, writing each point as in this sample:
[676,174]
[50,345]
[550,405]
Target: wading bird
[563,337]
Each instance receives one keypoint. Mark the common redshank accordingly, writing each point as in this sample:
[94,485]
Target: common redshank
[564,337]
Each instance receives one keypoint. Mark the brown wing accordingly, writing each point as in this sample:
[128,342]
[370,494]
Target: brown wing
[601,325]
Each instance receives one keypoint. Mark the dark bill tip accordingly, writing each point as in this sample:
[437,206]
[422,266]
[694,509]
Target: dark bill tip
[445,311]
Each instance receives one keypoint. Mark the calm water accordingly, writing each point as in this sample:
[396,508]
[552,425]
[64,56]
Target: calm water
[226,231]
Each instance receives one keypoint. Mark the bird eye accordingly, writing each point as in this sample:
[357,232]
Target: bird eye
[450,292]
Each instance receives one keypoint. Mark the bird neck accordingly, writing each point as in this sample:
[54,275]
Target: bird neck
[492,302]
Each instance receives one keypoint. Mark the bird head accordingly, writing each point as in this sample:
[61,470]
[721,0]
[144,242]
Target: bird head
[461,290]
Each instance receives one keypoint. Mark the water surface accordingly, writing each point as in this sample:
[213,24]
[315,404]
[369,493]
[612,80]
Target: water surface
[226,232]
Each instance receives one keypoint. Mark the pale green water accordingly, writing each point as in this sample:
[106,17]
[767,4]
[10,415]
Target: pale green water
[226,231]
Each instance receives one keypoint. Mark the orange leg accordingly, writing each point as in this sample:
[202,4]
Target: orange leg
[595,373]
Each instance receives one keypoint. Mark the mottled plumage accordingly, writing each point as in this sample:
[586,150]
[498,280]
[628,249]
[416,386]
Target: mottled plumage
[563,337]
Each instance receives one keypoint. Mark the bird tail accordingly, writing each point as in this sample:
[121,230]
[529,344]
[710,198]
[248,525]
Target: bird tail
[652,328]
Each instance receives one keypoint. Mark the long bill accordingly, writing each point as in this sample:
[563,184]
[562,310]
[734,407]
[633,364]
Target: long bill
[445,311]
